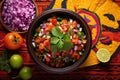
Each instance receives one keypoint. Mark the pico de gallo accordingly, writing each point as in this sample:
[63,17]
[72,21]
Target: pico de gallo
[59,41]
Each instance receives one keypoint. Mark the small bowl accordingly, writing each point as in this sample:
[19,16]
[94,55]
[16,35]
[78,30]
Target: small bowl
[59,12]
[7,26]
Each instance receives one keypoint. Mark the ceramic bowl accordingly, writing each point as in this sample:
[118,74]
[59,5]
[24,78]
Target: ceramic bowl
[59,12]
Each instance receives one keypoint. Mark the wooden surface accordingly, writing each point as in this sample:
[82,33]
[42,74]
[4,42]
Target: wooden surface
[109,71]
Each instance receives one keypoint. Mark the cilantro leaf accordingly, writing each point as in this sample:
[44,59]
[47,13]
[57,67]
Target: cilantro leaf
[81,35]
[54,40]
[66,37]
[53,48]
[5,54]
[60,44]
[60,41]
[59,19]
[4,61]
[67,45]
[57,33]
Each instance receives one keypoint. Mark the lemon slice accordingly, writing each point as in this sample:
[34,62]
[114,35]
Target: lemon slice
[103,55]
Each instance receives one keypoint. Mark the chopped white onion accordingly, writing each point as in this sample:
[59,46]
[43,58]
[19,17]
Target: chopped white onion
[40,34]
[71,20]
[80,29]
[75,48]
[33,43]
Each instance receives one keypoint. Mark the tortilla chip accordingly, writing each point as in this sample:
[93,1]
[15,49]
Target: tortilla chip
[101,2]
[83,4]
[57,4]
[109,14]
[71,4]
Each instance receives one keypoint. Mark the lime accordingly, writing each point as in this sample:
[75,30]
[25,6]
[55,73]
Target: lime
[25,73]
[16,61]
[103,55]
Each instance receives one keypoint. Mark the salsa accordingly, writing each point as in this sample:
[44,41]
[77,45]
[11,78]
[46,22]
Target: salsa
[59,41]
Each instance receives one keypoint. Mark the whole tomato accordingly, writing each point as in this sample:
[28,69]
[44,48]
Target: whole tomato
[13,41]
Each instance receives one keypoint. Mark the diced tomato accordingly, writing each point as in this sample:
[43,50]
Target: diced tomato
[74,24]
[74,54]
[41,46]
[75,41]
[64,28]
[78,57]
[48,47]
[59,60]
[52,64]
[38,30]
[49,27]
[84,41]
[57,53]
[47,59]
[39,39]
[80,47]
[46,42]
[42,39]
[75,36]
[54,21]
[64,21]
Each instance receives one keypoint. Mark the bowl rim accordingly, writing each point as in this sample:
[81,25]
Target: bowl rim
[64,69]
[5,26]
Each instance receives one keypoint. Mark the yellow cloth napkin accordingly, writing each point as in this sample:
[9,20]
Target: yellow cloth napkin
[108,13]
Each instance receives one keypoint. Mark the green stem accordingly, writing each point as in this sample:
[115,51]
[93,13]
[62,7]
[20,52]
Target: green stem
[15,39]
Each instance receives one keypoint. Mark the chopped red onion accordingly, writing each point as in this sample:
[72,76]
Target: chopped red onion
[43,59]
[71,51]
[18,14]
[78,25]
[43,26]
[75,48]
[75,30]
[49,55]
[79,42]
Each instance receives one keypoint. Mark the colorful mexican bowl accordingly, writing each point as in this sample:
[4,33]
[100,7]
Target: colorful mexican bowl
[41,47]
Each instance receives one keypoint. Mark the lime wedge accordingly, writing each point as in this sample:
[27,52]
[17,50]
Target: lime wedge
[103,55]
